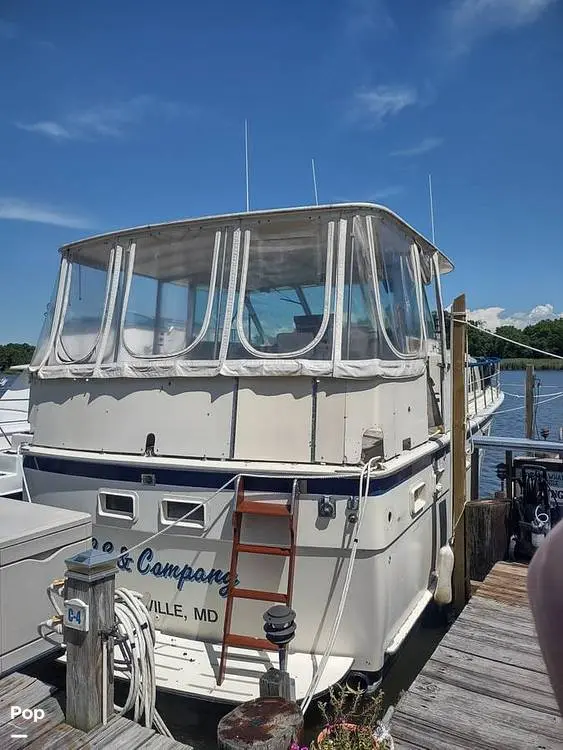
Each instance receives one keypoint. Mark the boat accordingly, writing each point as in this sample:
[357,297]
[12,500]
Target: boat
[14,429]
[254,409]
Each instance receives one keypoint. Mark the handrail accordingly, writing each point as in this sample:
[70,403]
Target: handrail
[511,443]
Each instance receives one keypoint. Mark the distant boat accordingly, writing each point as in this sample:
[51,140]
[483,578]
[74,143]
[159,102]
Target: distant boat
[14,405]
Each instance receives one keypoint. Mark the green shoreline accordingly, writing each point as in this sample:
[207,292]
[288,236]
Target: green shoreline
[539,363]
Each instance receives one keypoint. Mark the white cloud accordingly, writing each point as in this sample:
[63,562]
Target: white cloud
[51,129]
[382,102]
[425,145]
[19,210]
[493,317]
[363,17]
[387,192]
[103,121]
[471,20]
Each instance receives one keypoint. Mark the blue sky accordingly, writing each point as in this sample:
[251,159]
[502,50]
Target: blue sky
[123,113]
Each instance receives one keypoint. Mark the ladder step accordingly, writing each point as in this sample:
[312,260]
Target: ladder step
[261,508]
[260,596]
[262,549]
[248,641]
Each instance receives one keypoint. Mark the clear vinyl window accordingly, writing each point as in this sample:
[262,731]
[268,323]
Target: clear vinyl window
[85,310]
[286,290]
[398,285]
[360,329]
[45,336]
[170,298]
[430,316]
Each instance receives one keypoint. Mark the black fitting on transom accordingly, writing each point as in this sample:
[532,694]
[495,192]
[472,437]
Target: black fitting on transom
[279,625]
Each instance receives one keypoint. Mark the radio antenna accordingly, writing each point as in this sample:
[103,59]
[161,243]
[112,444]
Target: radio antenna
[246,165]
[315,182]
[431,208]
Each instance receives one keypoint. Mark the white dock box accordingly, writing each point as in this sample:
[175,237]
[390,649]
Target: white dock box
[35,540]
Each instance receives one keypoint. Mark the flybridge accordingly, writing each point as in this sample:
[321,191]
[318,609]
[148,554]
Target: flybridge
[336,290]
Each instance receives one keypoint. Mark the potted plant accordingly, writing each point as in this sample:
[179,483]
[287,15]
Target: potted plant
[352,722]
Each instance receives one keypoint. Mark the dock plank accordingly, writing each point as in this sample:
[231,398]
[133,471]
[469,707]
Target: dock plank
[61,737]
[53,717]
[505,681]
[52,733]
[119,734]
[496,651]
[158,742]
[29,697]
[12,684]
[483,720]
[486,685]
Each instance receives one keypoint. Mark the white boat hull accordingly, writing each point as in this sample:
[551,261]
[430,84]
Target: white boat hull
[185,571]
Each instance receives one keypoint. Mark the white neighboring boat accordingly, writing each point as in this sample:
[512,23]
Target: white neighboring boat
[14,405]
[290,355]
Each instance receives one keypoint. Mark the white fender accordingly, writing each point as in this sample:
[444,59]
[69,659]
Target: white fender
[444,569]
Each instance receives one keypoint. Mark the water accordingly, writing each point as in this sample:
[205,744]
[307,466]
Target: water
[510,419]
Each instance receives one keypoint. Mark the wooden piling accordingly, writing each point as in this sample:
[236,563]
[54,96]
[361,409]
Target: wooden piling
[460,580]
[530,402]
[261,724]
[90,578]
[475,471]
[487,536]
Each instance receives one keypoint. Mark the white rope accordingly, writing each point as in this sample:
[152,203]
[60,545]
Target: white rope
[538,401]
[504,338]
[514,384]
[538,398]
[363,493]
[136,644]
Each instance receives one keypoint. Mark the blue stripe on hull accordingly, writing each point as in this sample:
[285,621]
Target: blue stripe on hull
[213,479]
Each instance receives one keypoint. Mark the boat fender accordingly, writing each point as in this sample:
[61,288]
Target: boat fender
[444,569]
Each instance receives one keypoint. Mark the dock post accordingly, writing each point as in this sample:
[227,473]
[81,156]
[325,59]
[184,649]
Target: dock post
[460,579]
[262,724]
[475,469]
[88,624]
[530,402]
[509,475]
[487,535]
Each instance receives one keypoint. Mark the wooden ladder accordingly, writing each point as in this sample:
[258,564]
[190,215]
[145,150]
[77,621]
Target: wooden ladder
[257,507]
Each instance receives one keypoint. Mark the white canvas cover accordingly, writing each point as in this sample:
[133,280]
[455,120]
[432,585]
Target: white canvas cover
[287,293]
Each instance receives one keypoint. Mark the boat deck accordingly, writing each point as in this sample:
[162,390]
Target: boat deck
[486,686]
[52,733]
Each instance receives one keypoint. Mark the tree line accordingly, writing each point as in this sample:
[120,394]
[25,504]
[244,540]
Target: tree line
[15,354]
[546,335]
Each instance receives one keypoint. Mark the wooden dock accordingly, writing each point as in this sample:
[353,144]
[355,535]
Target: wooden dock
[486,685]
[51,732]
